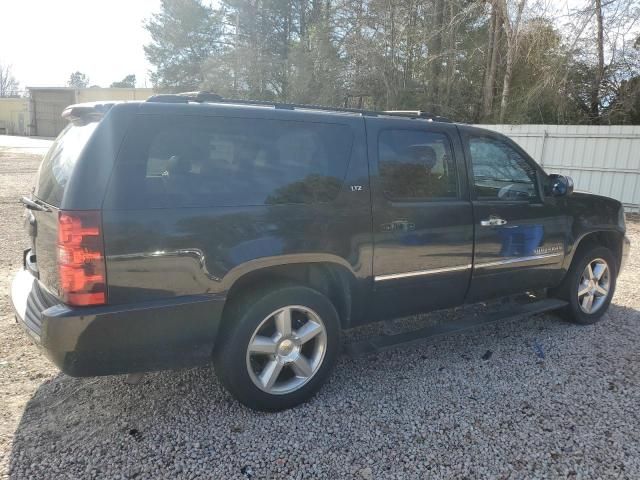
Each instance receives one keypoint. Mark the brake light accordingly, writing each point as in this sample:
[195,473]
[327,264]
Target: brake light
[81,264]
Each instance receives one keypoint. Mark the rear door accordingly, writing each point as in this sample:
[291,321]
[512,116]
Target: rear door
[422,216]
[520,238]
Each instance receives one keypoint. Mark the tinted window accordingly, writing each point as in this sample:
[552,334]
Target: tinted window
[415,164]
[201,161]
[500,172]
[56,167]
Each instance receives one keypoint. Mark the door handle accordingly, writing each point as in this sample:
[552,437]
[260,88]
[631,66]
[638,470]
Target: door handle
[493,221]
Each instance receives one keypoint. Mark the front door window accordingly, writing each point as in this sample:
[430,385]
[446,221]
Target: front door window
[500,172]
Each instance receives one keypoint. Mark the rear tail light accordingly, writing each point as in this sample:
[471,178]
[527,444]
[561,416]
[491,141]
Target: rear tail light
[81,264]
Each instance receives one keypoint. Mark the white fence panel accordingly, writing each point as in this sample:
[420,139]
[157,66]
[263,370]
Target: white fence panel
[601,159]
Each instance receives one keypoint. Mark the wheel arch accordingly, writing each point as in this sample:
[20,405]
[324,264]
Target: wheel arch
[331,278]
[607,237]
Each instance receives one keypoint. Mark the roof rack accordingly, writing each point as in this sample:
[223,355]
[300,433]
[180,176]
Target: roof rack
[208,97]
[186,97]
[418,114]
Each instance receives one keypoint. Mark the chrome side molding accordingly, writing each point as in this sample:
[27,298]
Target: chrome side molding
[518,260]
[435,271]
[419,273]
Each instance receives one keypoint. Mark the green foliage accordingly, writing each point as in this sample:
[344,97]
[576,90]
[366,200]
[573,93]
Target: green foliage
[78,80]
[407,54]
[625,109]
[127,82]
[537,89]
[184,35]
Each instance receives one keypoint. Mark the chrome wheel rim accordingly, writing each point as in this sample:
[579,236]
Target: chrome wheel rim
[594,286]
[286,350]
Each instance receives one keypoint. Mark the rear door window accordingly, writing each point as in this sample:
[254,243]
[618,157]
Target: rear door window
[210,161]
[416,165]
[57,165]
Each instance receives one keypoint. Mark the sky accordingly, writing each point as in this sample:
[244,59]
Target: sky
[46,40]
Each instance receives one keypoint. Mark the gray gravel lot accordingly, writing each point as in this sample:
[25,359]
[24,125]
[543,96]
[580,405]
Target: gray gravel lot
[433,410]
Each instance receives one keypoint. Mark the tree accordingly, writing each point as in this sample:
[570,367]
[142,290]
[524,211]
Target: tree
[512,30]
[603,59]
[8,83]
[78,80]
[316,66]
[450,57]
[127,82]
[594,107]
[625,108]
[184,36]
[537,89]
[493,48]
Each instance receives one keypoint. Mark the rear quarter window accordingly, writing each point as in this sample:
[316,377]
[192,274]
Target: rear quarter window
[214,161]
[57,165]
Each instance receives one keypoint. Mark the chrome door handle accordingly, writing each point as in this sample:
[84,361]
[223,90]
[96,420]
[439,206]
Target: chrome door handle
[493,222]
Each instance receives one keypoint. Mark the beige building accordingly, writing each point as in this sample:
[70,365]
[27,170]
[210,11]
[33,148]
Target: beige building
[46,104]
[14,116]
[40,113]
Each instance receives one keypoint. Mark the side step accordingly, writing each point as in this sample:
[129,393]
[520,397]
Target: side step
[512,311]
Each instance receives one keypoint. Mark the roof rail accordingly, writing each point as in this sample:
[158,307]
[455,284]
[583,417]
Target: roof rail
[204,97]
[186,97]
[418,114]
[293,106]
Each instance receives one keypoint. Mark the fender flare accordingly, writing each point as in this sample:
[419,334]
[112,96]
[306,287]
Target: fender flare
[578,242]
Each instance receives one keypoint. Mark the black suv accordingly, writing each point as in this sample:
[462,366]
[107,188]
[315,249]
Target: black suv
[188,228]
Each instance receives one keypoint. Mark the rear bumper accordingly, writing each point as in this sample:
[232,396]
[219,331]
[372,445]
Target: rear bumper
[115,339]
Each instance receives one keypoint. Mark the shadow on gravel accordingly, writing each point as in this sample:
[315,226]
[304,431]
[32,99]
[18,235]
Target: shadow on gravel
[435,400]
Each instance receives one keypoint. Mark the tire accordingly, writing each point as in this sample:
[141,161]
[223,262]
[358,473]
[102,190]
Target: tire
[285,366]
[575,282]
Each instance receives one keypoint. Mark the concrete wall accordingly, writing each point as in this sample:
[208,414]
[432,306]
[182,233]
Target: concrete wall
[97,94]
[47,104]
[600,159]
[14,116]
[45,110]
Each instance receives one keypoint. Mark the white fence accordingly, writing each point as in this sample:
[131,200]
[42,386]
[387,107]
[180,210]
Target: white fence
[600,159]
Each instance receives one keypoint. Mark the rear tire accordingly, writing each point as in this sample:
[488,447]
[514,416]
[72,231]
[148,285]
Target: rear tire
[588,286]
[278,347]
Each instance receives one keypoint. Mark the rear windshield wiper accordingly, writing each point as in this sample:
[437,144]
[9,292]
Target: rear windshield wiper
[31,205]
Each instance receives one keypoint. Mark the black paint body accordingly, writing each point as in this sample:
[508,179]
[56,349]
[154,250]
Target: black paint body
[171,270]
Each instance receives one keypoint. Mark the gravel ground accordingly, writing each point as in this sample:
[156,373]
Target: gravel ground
[534,398]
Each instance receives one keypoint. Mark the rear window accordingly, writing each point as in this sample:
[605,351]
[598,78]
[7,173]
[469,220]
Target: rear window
[56,167]
[215,161]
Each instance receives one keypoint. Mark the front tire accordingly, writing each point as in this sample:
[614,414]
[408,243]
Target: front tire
[589,285]
[278,348]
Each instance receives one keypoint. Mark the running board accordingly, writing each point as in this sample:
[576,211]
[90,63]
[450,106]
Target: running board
[512,311]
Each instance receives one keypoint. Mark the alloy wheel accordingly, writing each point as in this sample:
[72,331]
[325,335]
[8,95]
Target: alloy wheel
[594,286]
[286,350]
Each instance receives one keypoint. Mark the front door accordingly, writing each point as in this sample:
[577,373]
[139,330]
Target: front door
[422,216]
[520,237]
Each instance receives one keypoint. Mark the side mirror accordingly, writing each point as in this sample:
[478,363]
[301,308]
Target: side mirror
[560,186]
